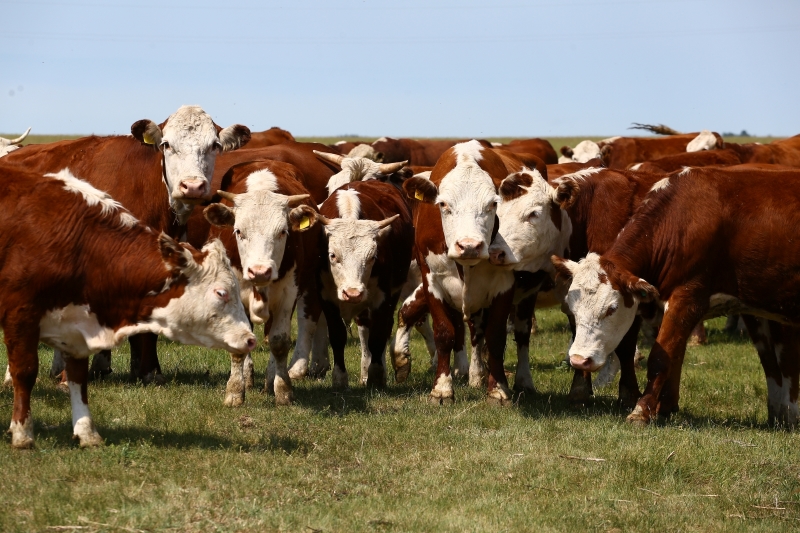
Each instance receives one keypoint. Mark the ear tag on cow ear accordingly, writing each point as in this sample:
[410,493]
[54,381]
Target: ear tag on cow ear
[418,194]
[305,222]
[147,139]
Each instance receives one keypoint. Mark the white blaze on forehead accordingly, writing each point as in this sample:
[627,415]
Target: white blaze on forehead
[348,204]
[601,318]
[660,185]
[354,169]
[704,141]
[93,197]
[262,180]
[585,151]
[261,218]
[579,175]
[354,243]
[381,140]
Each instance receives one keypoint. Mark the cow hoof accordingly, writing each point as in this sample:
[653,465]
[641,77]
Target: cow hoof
[233,400]
[153,378]
[284,395]
[339,378]
[376,377]
[299,370]
[318,372]
[524,388]
[89,440]
[26,443]
[401,373]
[284,398]
[435,399]
[99,374]
[477,381]
[638,417]
[500,396]
[628,399]
[63,387]
[22,434]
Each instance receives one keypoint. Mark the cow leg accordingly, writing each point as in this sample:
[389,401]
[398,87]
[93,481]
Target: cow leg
[626,352]
[57,368]
[411,313]
[523,326]
[495,339]
[308,313]
[379,335]
[666,360]
[787,352]
[461,361]
[235,389]
[320,360]
[477,367]
[580,392]
[82,426]
[447,325]
[698,336]
[149,367]
[101,365]
[22,343]
[337,333]
[364,323]
[280,341]
[249,372]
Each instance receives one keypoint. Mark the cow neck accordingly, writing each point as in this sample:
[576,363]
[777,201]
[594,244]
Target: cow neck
[182,210]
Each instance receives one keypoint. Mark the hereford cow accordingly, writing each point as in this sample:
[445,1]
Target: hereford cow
[179,153]
[277,264]
[783,152]
[703,244]
[9,145]
[454,226]
[422,152]
[368,239]
[270,137]
[357,169]
[541,148]
[704,158]
[80,273]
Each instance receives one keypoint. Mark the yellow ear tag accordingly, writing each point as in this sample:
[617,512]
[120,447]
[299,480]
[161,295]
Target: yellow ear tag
[147,139]
[304,223]
[418,195]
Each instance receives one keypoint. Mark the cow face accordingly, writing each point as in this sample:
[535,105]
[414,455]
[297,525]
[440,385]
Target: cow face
[533,225]
[260,223]
[190,142]
[604,302]
[467,201]
[705,140]
[210,311]
[584,151]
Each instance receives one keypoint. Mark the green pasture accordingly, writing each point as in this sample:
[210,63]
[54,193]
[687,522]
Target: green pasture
[363,460]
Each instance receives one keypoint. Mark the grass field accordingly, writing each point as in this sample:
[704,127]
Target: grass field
[175,459]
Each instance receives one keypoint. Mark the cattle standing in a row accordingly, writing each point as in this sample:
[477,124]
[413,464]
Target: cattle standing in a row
[81,273]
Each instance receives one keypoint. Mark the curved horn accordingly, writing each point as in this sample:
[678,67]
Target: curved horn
[386,221]
[323,220]
[227,195]
[21,137]
[297,199]
[391,168]
[333,158]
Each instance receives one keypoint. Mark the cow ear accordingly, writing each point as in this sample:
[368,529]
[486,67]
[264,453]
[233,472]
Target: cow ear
[641,290]
[421,189]
[173,252]
[566,151]
[234,137]
[566,193]
[605,151]
[219,215]
[301,218]
[563,266]
[512,186]
[146,132]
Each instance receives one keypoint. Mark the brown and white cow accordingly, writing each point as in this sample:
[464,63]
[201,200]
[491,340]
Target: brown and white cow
[270,137]
[178,154]
[423,152]
[783,152]
[703,158]
[704,244]
[80,273]
[278,265]
[357,169]
[454,226]
[368,241]
[9,145]
[540,148]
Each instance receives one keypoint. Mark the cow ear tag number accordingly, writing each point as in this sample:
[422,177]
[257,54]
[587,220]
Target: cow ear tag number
[305,222]
[418,195]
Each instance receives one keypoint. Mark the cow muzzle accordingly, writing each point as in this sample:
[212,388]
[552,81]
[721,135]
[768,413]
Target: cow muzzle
[259,274]
[352,295]
[580,362]
[469,249]
[192,189]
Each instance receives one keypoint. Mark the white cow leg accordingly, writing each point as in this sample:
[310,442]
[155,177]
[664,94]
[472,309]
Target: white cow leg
[523,380]
[7,381]
[235,389]
[366,356]
[279,343]
[320,356]
[82,426]
[249,372]
[306,328]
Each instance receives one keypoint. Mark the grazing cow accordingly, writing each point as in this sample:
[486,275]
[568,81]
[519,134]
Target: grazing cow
[704,158]
[80,273]
[783,152]
[277,264]
[179,153]
[424,152]
[580,213]
[270,137]
[540,148]
[9,145]
[368,239]
[454,225]
[704,244]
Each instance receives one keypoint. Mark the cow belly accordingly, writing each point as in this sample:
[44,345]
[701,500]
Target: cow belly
[75,330]
[724,304]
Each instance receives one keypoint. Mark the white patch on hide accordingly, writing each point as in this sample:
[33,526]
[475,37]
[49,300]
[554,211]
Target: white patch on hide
[660,185]
[381,140]
[704,141]
[685,171]
[262,180]
[637,166]
[348,204]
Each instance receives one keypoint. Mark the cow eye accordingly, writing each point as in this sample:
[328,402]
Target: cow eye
[332,256]
[611,310]
[284,233]
[533,214]
[238,233]
[164,145]
[223,294]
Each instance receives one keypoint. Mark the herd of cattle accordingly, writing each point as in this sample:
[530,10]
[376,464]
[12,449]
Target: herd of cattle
[254,228]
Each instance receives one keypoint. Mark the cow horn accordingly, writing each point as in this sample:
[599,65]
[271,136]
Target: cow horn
[323,220]
[21,137]
[333,158]
[386,221]
[391,168]
[227,195]
[297,199]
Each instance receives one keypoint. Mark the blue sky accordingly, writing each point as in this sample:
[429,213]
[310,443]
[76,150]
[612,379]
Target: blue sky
[475,68]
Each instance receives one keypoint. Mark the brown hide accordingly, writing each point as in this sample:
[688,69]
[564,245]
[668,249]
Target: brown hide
[704,158]
[784,152]
[626,151]
[540,148]
[561,169]
[270,137]
[424,152]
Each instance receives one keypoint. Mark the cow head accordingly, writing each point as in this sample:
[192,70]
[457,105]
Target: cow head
[533,225]
[466,196]
[190,142]
[209,312]
[357,169]
[604,301]
[260,223]
[705,140]
[9,145]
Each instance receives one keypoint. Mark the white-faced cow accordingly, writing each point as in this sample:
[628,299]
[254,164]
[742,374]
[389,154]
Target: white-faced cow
[9,145]
[278,265]
[80,273]
[703,243]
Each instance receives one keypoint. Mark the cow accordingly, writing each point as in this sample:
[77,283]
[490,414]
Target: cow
[540,148]
[702,244]
[454,225]
[270,137]
[670,163]
[278,265]
[621,152]
[357,169]
[422,152]
[80,273]
[368,240]
[783,152]
[9,145]
[180,154]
